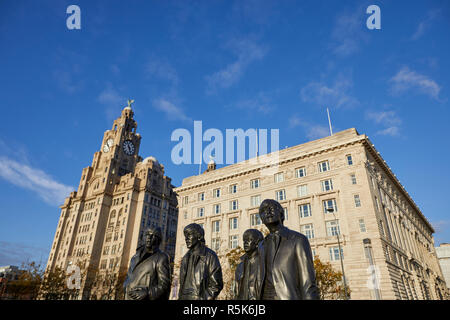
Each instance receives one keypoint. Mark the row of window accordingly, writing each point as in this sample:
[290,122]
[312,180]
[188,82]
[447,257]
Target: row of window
[304,210]
[278,177]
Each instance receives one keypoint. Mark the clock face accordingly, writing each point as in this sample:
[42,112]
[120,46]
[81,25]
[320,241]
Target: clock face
[128,147]
[110,142]
[105,148]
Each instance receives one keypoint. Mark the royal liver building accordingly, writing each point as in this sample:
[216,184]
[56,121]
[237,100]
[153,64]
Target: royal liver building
[118,197]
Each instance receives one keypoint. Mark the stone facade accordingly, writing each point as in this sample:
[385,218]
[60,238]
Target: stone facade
[443,255]
[387,243]
[119,195]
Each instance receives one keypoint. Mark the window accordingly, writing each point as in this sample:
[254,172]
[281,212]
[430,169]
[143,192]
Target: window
[286,213]
[304,210]
[103,264]
[353,178]
[255,201]
[233,223]
[300,172]
[362,225]
[327,185]
[324,166]
[233,205]
[332,228]
[216,193]
[200,212]
[185,200]
[215,243]
[254,183]
[334,254]
[307,230]
[233,188]
[216,226]
[233,242]
[329,204]
[302,190]
[279,177]
[357,200]
[349,159]
[185,214]
[255,219]
[216,209]
[280,195]
[201,196]
[377,205]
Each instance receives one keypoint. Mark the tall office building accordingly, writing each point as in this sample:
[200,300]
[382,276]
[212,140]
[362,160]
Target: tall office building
[118,197]
[338,185]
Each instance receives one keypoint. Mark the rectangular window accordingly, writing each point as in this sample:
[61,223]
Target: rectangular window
[216,226]
[233,188]
[279,177]
[362,225]
[233,242]
[280,195]
[330,204]
[307,230]
[233,223]
[324,166]
[332,228]
[349,159]
[327,185]
[215,244]
[304,210]
[216,209]
[233,205]
[254,183]
[200,212]
[353,178]
[286,213]
[255,201]
[357,200]
[300,172]
[255,220]
[334,254]
[185,200]
[302,190]
[201,196]
[216,193]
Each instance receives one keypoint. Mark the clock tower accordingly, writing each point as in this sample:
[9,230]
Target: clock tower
[118,197]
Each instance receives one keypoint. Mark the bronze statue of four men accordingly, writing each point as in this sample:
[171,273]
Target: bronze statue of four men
[277,267]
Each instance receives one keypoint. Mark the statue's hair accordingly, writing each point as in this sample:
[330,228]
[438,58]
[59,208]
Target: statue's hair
[197,229]
[272,203]
[156,230]
[255,233]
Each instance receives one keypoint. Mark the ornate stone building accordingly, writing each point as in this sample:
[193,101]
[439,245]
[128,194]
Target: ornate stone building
[338,185]
[119,195]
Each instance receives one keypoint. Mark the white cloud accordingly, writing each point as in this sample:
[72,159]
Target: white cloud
[35,180]
[347,34]
[162,69]
[313,131]
[407,79]
[113,101]
[260,104]
[247,51]
[425,24]
[387,119]
[334,96]
[15,253]
[172,111]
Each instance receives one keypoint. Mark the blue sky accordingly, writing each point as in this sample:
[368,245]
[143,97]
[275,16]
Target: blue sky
[241,64]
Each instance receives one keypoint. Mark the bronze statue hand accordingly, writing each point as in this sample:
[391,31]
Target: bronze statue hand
[138,293]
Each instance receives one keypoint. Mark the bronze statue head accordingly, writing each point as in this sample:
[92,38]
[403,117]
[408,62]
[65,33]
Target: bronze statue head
[251,238]
[153,237]
[194,235]
[271,212]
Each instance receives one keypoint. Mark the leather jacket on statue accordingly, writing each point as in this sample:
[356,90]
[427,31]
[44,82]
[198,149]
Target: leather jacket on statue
[150,271]
[205,280]
[293,272]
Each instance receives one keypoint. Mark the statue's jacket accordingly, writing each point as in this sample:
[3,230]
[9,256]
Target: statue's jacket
[152,273]
[253,282]
[207,273]
[293,268]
